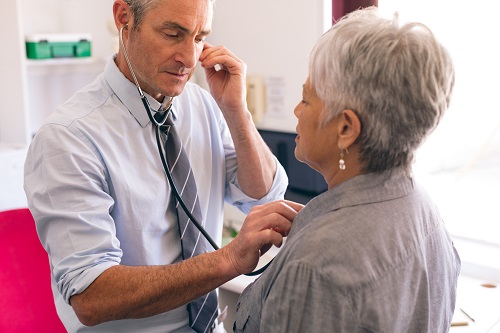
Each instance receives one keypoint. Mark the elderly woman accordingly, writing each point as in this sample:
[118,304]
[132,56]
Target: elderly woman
[371,254]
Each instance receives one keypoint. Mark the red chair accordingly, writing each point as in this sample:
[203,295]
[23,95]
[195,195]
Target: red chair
[26,301]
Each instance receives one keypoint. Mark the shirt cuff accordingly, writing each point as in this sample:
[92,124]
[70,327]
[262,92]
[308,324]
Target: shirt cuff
[245,203]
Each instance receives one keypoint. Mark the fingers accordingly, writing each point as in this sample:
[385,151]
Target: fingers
[295,205]
[272,221]
[225,75]
[265,225]
[282,208]
[219,55]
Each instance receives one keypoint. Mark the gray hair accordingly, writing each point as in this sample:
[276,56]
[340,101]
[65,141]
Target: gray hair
[141,7]
[397,79]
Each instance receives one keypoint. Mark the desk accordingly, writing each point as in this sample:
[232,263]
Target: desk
[482,304]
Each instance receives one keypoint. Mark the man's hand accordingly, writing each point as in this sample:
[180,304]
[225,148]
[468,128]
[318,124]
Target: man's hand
[227,83]
[265,225]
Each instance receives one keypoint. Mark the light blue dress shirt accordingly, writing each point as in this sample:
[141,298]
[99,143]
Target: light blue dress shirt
[97,190]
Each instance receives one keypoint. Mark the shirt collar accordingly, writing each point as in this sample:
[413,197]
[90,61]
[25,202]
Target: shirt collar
[360,190]
[127,93]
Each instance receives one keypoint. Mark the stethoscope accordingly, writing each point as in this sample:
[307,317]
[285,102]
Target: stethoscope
[167,108]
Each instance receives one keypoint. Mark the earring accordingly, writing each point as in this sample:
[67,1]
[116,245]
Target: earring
[341,161]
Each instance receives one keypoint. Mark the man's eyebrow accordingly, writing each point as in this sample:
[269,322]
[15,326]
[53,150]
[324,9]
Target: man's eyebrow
[177,26]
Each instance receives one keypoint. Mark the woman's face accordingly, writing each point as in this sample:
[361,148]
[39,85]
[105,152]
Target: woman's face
[316,140]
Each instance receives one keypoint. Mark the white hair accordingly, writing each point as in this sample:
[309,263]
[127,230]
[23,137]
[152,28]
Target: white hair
[397,78]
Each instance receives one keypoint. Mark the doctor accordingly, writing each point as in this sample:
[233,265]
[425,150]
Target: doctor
[97,190]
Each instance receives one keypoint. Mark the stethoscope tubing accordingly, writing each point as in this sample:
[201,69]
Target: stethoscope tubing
[176,192]
[157,125]
[183,205]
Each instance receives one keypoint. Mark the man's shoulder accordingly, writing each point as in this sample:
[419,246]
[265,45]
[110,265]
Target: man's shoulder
[88,99]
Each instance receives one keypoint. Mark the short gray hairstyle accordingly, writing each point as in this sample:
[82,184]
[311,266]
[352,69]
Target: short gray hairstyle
[397,78]
[141,7]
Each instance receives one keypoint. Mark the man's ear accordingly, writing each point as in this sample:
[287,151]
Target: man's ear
[349,128]
[121,14]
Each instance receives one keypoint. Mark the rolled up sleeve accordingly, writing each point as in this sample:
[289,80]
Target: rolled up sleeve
[67,194]
[238,198]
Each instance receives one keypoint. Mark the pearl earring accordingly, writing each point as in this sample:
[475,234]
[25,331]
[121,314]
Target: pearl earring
[341,161]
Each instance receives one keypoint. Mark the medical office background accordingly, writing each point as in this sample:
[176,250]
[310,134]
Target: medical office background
[460,163]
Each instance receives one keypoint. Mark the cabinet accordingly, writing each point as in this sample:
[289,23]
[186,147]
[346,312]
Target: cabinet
[31,89]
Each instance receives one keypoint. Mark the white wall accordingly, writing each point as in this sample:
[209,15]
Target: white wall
[12,77]
[274,38]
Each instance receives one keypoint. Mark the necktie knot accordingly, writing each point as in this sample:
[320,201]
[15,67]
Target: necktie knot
[163,123]
[159,115]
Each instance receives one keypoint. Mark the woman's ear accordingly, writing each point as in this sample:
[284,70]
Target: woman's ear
[349,128]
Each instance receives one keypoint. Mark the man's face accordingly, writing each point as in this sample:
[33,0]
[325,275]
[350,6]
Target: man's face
[164,49]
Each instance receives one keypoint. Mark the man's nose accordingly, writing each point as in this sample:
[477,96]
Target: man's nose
[188,53]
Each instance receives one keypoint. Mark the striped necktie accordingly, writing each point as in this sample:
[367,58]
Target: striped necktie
[204,310]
